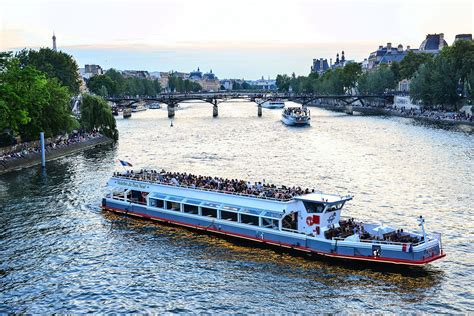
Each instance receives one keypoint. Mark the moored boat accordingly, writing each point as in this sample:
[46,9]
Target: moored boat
[301,219]
[273,104]
[155,105]
[296,116]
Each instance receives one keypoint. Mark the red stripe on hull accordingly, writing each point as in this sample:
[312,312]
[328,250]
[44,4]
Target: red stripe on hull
[306,249]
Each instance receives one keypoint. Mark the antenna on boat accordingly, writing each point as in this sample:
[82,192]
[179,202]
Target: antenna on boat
[421,222]
[171,123]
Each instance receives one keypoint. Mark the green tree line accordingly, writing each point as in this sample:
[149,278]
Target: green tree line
[443,80]
[113,83]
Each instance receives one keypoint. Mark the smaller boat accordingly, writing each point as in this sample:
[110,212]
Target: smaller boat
[273,104]
[126,112]
[153,106]
[138,108]
[296,116]
[115,111]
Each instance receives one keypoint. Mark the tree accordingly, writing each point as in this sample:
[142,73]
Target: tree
[30,102]
[350,73]
[96,83]
[283,83]
[97,115]
[54,64]
[436,83]
[377,81]
[395,68]
[412,61]
[103,92]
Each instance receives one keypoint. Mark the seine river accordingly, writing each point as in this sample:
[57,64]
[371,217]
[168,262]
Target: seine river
[60,253]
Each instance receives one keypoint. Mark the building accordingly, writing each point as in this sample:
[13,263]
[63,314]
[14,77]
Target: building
[136,74]
[263,84]
[90,71]
[386,55]
[227,84]
[433,43]
[320,65]
[195,75]
[463,37]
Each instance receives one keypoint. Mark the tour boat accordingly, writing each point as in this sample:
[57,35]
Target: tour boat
[273,104]
[308,221]
[155,105]
[296,116]
[138,108]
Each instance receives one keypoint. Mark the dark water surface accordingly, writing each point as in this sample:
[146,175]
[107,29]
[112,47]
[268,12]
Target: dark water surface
[60,253]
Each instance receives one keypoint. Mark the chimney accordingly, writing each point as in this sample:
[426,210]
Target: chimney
[389,46]
[408,47]
[400,48]
[441,40]
[380,46]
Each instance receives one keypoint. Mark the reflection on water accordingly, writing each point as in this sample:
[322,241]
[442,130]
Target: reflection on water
[59,252]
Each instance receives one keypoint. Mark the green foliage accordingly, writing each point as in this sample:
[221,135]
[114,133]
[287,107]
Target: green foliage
[350,74]
[443,81]
[283,83]
[177,84]
[117,85]
[377,81]
[97,115]
[54,64]
[412,61]
[30,102]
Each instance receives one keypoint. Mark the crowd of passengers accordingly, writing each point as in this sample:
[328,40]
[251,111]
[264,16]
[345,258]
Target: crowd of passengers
[350,227]
[258,189]
[297,111]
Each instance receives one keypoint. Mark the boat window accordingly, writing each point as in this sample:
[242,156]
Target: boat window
[157,203]
[335,207]
[272,214]
[249,219]
[230,216]
[174,206]
[270,223]
[313,207]
[290,221]
[210,212]
[191,209]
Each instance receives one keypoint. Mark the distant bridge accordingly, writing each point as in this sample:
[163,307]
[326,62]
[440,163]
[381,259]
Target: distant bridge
[214,98]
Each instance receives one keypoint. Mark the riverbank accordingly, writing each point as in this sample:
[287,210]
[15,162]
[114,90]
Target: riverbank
[34,158]
[389,111]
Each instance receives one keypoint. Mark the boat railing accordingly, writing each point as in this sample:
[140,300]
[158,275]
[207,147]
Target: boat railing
[200,188]
[381,242]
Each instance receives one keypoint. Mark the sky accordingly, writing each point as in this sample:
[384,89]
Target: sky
[236,39]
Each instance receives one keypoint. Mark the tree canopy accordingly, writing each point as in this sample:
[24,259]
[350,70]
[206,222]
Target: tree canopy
[54,64]
[97,115]
[31,102]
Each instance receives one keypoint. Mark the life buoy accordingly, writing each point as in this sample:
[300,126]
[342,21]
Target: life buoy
[309,220]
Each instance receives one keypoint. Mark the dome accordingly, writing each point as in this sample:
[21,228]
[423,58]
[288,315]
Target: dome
[433,42]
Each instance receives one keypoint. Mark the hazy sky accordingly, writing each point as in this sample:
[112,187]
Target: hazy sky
[238,39]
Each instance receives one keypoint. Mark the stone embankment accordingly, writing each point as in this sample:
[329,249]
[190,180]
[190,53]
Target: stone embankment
[34,158]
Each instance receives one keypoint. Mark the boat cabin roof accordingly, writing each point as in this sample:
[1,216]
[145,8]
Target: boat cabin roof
[323,197]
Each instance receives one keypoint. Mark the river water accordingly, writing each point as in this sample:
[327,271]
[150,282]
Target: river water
[60,253]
